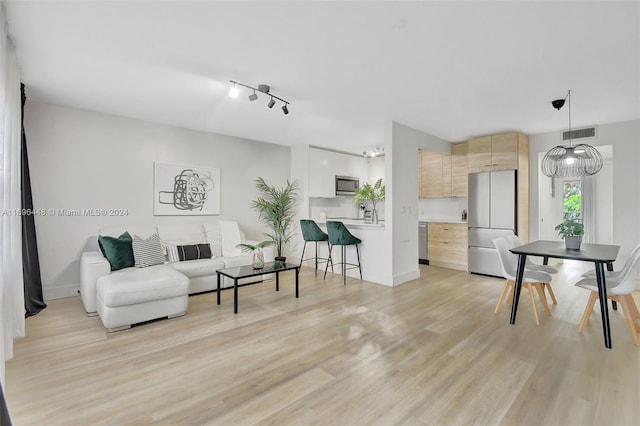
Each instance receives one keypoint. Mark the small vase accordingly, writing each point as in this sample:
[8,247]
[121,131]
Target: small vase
[572,243]
[258,259]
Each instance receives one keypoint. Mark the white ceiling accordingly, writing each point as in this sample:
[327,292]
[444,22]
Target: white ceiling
[451,69]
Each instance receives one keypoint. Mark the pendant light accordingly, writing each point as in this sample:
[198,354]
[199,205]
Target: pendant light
[571,160]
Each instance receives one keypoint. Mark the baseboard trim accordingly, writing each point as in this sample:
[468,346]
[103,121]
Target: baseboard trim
[51,293]
[406,277]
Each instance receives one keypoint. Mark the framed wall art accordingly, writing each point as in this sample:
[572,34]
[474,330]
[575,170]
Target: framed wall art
[185,190]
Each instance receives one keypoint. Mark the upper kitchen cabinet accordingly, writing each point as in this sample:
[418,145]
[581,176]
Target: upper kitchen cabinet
[324,165]
[430,174]
[459,169]
[497,152]
[444,175]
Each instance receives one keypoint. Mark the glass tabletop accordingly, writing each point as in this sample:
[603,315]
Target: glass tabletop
[246,271]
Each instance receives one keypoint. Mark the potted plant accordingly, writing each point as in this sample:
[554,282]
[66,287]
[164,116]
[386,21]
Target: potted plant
[572,231]
[256,250]
[276,207]
[371,193]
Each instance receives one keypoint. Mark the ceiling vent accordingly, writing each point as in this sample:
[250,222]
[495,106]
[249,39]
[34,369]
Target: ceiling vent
[586,133]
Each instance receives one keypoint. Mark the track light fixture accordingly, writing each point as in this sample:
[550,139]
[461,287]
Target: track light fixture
[262,88]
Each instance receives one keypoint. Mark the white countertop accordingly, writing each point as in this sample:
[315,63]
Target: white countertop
[353,223]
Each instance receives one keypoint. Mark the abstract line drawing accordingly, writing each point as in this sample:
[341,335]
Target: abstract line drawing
[184,190]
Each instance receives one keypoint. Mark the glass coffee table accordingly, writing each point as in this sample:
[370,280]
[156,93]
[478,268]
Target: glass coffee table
[247,271]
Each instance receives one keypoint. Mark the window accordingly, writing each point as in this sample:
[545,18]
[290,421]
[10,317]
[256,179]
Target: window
[572,200]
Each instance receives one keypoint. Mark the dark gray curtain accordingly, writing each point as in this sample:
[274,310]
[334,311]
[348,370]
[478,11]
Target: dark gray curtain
[5,419]
[33,300]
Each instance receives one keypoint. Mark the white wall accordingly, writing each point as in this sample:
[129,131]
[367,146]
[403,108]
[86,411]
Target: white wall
[403,165]
[625,138]
[81,159]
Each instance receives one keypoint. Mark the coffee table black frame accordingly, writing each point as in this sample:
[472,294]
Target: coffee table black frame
[246,271]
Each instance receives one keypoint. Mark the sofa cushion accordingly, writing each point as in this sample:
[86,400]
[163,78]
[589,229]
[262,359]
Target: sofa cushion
[147,252]
[131,286]
[199,268]
[118,251]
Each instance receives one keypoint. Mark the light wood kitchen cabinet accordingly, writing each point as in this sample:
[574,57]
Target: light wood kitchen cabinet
[430,174]
[446,175]
[479,156]
[459,169]
[447,245]
[496,152]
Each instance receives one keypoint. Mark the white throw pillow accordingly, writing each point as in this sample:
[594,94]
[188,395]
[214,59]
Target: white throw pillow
[147,252]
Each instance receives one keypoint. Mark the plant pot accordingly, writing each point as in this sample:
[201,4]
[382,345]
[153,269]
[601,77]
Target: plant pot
[281,259]
[258,259]
[572,243]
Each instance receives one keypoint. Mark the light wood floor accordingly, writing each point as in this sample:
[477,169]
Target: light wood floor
[427,352]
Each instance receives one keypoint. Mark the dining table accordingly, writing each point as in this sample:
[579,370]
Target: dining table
[599,254]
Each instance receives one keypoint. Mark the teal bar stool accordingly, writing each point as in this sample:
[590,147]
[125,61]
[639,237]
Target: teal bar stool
[311,232]
[339,235]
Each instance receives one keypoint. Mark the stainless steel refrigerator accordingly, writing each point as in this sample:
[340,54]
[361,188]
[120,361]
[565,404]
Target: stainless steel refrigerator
[492,214]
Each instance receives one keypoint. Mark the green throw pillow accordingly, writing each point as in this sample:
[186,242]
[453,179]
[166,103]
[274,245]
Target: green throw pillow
[118,251]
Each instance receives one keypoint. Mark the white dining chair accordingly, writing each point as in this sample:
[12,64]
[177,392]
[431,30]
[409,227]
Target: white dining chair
[530,279]
[615,274]
[514,241]
[619,289]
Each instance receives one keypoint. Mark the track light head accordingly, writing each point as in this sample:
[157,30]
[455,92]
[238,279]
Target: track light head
[253,96]
[558,103]
[234,92]
[271,103]
[285,109]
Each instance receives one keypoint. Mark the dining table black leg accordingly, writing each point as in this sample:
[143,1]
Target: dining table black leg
[277,281]
[604,308]
[517,287]
[297,273]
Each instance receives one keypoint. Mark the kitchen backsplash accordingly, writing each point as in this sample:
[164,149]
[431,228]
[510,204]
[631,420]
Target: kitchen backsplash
[340,206]
[441,208]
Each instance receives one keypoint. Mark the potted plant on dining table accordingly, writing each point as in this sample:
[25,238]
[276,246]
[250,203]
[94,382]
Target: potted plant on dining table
[571,231]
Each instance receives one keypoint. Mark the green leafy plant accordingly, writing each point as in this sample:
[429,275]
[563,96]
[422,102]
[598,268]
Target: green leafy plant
[277,208]
[251,247]
[570,228]
[371,193]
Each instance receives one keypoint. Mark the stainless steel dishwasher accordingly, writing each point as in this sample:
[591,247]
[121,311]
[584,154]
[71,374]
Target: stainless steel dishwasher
[422,243]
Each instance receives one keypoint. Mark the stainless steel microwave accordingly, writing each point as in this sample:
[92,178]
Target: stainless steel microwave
[346,185]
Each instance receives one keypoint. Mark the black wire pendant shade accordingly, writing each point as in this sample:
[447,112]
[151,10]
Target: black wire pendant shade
[571,160]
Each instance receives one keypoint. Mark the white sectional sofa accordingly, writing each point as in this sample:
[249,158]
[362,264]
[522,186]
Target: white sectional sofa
[132,295]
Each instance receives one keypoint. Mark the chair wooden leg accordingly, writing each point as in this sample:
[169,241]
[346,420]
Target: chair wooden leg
[587,311]
[635,315]
[543,297]
[533,304]
[628,316]
[550,290]
[510,296]
[508,284]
